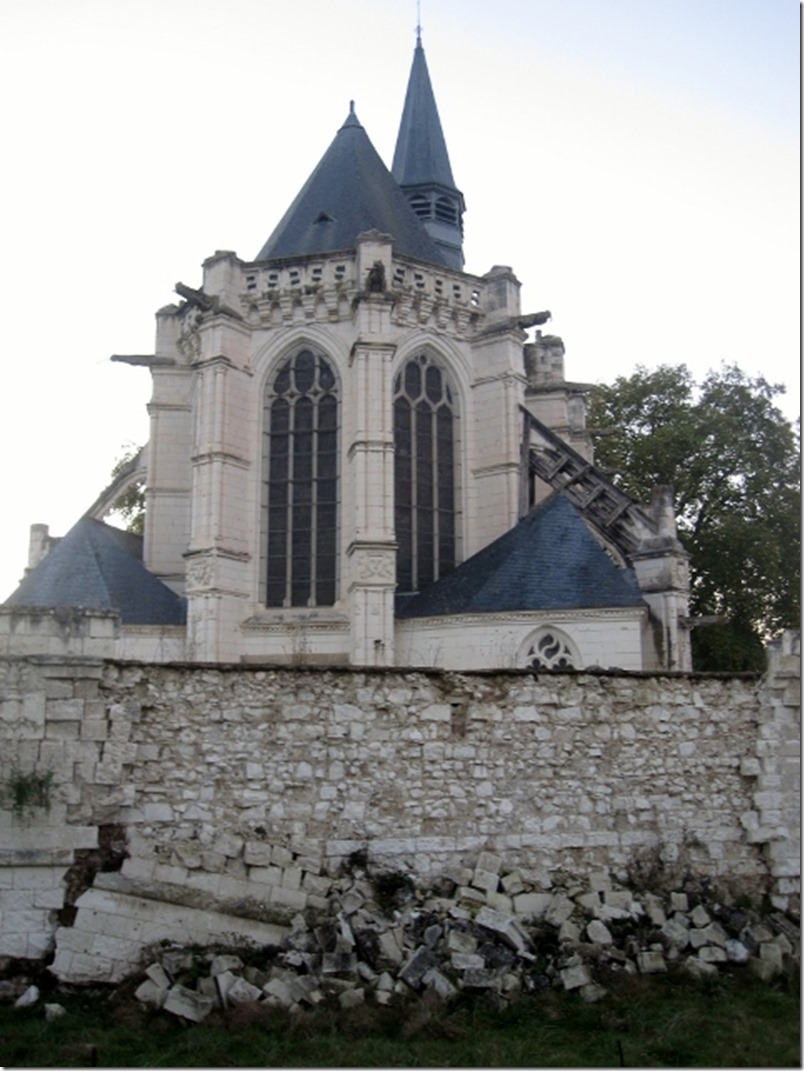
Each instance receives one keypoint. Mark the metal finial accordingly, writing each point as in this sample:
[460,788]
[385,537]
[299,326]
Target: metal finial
[418,23]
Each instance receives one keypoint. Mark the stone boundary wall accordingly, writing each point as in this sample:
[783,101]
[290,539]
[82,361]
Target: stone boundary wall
[238,785]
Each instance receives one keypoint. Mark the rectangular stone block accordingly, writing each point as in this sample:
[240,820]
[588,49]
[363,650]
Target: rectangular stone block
[292,898]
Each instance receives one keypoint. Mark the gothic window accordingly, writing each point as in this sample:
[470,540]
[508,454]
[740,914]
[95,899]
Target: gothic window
[549,649]
[425,419]
[300,483]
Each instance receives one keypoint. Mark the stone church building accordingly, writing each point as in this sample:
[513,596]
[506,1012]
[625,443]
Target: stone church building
[362,454]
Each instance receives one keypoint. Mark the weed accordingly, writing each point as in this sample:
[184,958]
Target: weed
[25,793]
[391,890]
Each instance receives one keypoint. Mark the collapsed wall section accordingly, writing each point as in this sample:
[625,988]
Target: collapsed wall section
[238,787]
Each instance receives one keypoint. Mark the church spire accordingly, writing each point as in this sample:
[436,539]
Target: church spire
[421,163]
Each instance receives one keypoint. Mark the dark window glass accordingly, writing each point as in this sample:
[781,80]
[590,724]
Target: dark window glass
[424,474]
[301,483]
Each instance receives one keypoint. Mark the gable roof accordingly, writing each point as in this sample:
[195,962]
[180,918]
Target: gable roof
[548,561]
[350,191]
[97,567]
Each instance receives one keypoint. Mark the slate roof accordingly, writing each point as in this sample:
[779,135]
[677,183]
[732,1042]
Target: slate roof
[548,561]
[350,191]
[420,156]
[97,567]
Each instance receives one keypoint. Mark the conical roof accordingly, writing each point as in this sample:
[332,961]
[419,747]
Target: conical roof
[549,561]
[421,157]
[350,191]
[98,567]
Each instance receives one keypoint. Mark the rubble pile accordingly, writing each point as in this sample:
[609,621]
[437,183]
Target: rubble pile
[478,931]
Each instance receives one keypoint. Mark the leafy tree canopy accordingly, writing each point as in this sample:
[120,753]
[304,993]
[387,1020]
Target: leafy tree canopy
[129,507]
[733,460]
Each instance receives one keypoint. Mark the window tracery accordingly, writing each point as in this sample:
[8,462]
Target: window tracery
[549,649]
[425,416]
[300,483]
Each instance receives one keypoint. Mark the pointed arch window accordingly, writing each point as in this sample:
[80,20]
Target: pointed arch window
[300,483]
[425,513]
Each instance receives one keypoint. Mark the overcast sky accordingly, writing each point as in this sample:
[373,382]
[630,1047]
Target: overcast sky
[636,162]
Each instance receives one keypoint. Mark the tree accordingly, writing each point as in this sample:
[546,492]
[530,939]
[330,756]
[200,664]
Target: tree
[129,506]
[733,460]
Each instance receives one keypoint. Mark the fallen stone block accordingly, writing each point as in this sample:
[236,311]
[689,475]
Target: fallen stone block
[500,902]
[54,1011]
[600,881]
[460,941]
[699,968]
[432,935]
[28,998]
[507,928]
[280,991]
[255,976]
[485,880]
[224,980]
[559,910]
[157,974]
[390,948]
[679,901]
[176,960]
[464,961]
[532,904]
[712,954]
[755,935]
[676,934]
[243,992]
[654,909]
[784,944]
[479,978]
[467,895]
[697,938]
[592,993]
[151,994]
[440,984]
[576,976]
[338,963]
[303,987]
[351,902]
[598,933]
[771,953]
[764,969]
[188,1004]
[220,964]
[651,962]
[414,970]
[490,862]
[736,952]
[715,934]
[699,916]
[589,901]
[512,883]
[351,998]
[622,899]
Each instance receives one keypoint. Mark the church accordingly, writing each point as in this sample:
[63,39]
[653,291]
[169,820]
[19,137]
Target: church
[362,454]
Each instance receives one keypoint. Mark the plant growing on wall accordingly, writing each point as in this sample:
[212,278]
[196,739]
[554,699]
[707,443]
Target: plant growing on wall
[25,793]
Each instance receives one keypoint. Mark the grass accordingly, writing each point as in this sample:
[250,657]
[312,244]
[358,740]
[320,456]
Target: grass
[665,1021]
